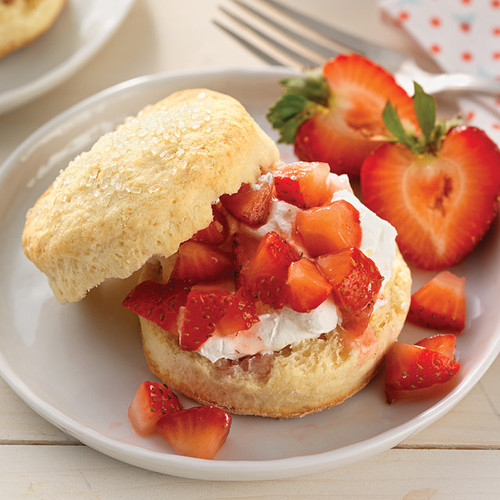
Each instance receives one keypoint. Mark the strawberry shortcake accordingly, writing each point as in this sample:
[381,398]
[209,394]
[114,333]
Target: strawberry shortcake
[266,288]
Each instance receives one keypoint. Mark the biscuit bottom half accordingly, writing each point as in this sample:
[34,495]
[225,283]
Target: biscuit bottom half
[300,379]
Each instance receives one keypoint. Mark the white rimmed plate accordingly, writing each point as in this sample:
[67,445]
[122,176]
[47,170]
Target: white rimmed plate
[83,27]
[78,365]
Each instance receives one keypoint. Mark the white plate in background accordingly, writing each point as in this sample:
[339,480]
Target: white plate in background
[79,365]
[83,27]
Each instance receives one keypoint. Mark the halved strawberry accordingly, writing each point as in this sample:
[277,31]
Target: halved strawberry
[158,302]
[198,261]
[304,185]
[151,402]
[442,342]
[410,368]
[216,232]
[241,313]
[204,307]
[267,270]
[440,303]
[439,190]
[307,288]
[197,432]
[354,276]
[251,204]
[330,228]
[336,117]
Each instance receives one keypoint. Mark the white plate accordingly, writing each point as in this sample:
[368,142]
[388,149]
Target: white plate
[83,27]
[79,365]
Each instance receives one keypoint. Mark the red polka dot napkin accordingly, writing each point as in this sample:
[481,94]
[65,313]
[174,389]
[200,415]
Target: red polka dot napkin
[461,36]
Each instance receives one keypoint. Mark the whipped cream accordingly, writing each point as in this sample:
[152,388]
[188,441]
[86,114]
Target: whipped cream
[279,329]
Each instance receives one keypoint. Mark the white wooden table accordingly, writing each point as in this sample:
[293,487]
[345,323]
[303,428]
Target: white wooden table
[456,457]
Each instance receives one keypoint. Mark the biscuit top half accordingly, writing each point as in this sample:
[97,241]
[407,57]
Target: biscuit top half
[143,189]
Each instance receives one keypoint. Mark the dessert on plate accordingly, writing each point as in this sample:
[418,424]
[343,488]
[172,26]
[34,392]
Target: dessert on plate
[265,288]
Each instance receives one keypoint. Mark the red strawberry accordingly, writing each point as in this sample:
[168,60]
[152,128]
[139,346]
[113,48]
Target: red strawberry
[411,368]
[336,117]
[354,276]
[440,303]
[251,204]
[267,270]
[204,307]
[304,185]
[241,313]
[151,402]
[198,261]
[355,322]
[307,287]
[216,232]
[330,228]
[439,190]
[158,302]
[244,248]
[197,432]
[443,343]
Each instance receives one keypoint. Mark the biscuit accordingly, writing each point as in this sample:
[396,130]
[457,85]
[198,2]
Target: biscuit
[21,21]
[143,189]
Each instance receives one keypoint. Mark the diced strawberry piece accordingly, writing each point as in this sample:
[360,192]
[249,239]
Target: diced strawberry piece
[440,303]
[440,202]
[204,307]
[198,261]
[411,368]
[158,302]
[354,276]
[197,432]
[443,343]
[151,402]
[244,248]
[267,271]
[251,204]
[216,232]
[241,313]
[304,185]
[330,228]
[356,322]
[307,287]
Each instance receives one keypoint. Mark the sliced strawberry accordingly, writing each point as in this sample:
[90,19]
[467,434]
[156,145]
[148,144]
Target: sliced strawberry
[307,287]
[197,432]
[336,117]
[431,189]
[267,270]
[304,185]
[251,204]
[204,307]
[330,228]
[411,368]
[244,248]
[440,303]
[356,322]
[354,276]
[216,232]
[157,302]
[198,261]
[241,313]
[443,343]
[151,402]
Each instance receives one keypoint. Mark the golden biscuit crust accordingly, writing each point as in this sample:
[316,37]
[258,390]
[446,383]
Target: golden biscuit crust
[21,21]
[143,189]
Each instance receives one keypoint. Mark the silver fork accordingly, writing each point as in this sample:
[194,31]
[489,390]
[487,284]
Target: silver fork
[281,35]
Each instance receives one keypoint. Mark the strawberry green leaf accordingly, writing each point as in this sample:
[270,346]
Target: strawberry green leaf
[313,87]
[425,109]
[393,123]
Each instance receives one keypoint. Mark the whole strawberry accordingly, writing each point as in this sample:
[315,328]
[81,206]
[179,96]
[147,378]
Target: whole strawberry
[335,116]
[440,189]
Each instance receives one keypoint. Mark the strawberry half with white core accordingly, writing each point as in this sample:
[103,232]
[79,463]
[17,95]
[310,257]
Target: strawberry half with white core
[335,116]
[440,190]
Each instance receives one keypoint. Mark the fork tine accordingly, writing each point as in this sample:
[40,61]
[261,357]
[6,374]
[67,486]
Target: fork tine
[322,49]
[294,57]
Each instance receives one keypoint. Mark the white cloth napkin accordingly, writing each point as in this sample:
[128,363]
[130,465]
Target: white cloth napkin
[461,36]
